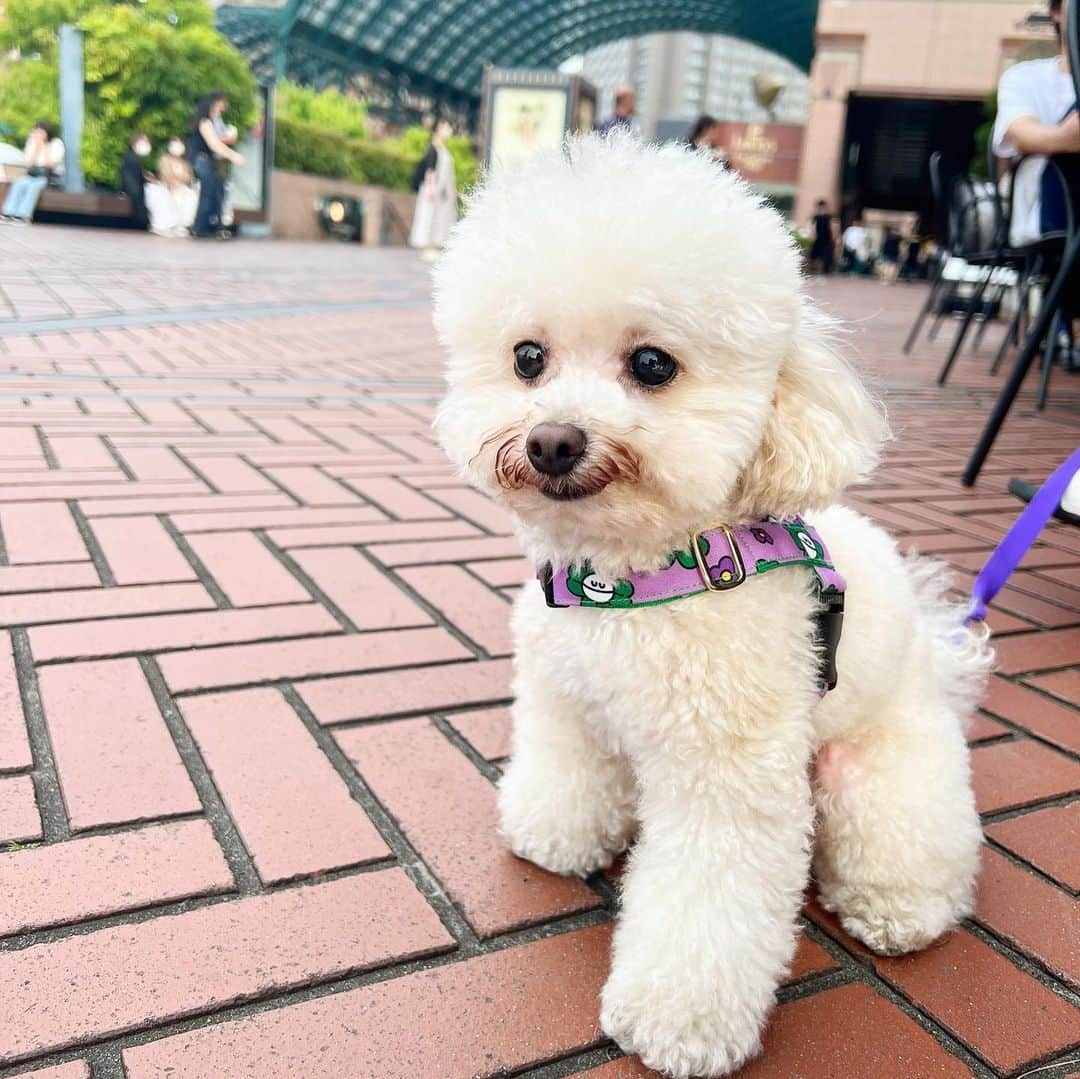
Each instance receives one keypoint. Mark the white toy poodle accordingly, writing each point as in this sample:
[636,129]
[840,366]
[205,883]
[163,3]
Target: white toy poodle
[636,374]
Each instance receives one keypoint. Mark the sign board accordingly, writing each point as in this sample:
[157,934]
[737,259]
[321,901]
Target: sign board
[526,111]
[763,153]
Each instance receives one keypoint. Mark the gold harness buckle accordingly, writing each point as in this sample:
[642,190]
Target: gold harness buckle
[703,568]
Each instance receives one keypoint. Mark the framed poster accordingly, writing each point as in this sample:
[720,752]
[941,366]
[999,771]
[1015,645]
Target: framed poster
[525,119]
[525,111]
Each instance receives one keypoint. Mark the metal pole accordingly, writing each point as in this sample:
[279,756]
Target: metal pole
[72,105]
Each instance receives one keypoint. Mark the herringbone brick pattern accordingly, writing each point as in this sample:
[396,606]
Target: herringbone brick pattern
[253,692]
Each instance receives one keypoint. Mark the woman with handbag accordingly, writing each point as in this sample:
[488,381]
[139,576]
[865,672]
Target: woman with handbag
[436,195]
[44,166]
[210,153]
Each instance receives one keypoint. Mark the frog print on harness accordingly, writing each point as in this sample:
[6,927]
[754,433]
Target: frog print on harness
[595,591]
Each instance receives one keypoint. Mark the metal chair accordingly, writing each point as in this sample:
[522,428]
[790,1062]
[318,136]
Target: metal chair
[993,260]
[938,283]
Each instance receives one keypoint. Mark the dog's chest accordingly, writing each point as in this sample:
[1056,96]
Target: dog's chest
[709,653]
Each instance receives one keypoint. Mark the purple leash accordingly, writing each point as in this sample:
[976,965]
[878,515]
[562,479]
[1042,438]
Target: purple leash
[1020,537]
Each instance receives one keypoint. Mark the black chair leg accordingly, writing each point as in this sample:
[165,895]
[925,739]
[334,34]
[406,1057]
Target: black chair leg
[1012,336]
[920,318]
[965,325]
[999,292]
[1051,305]
[1050,351]
[1006,341]
[943,309]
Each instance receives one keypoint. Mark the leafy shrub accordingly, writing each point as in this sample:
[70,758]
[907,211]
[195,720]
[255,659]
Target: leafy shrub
[305,148]
[329,110]
[383,165]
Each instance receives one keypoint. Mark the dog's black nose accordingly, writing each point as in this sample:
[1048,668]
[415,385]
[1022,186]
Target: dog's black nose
[554,448]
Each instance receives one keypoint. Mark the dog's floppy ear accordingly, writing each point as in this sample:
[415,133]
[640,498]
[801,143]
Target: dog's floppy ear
[823,433]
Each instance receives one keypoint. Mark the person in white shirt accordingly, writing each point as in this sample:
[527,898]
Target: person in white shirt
[44,164]
[856,242]
[1037,117]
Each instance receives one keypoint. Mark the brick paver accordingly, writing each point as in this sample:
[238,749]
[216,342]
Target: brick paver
[254,681]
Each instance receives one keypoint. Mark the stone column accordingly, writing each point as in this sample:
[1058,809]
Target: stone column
[72,108]
[835,73]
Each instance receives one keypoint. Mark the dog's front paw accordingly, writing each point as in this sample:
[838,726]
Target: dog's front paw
[561,827]
[676,1032]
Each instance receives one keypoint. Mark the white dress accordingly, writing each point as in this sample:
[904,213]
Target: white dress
[436,205]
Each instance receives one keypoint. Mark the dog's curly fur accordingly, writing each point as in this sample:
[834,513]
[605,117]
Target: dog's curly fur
[693,725]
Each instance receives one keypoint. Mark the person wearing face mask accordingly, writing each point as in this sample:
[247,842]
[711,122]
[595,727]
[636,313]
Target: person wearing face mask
[172,201]
[133,177]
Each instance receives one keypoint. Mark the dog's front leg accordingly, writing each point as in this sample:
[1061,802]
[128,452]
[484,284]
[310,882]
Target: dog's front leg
[567,800]
[707,927]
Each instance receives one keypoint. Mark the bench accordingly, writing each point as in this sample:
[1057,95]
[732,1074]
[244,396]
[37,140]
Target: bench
[84,207]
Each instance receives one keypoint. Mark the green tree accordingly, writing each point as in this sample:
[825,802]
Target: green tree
[147,63]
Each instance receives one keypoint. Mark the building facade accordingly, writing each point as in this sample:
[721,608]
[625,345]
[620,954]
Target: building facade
[680,76]
[894,80]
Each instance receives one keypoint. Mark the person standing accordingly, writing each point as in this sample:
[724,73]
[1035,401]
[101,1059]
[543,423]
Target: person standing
[436,196]
[890,256]
[209,153]
[856,241]
[623,117]
[44,155]
[133,178]
[823,249]
[1037,117]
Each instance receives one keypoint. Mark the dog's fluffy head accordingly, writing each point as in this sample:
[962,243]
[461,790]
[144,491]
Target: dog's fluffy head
[600,251]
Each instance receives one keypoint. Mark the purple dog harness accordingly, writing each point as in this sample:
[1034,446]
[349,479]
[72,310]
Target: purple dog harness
[717,560]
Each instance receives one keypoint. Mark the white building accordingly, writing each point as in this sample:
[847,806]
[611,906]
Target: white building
[679,76]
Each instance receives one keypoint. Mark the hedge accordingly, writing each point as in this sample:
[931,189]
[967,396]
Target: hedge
[301,147]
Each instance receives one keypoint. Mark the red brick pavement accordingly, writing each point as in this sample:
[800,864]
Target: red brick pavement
[253,689]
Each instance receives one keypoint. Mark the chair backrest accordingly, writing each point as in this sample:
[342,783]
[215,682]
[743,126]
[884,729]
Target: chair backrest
[972,220]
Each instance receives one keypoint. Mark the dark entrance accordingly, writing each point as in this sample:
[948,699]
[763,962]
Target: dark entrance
[888,143]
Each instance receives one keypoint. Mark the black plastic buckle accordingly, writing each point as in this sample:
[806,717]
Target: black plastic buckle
[828,626]
[546,576]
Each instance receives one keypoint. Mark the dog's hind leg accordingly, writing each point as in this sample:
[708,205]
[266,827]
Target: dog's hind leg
[567,800]
[897,842]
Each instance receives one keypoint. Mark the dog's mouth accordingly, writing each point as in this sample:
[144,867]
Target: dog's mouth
[606,461]
[571,488]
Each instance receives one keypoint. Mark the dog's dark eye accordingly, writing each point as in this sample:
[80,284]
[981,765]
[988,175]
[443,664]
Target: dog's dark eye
[652,366]
[529,360]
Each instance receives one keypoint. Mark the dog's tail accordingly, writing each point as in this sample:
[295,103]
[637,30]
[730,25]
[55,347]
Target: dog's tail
[961,654]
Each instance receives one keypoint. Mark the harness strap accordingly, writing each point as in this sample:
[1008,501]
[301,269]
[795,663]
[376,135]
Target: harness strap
[718,560]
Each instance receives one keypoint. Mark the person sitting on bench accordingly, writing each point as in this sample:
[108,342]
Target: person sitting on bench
[44,166]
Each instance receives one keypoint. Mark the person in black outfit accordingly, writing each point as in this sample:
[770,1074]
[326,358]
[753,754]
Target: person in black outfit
[824,247]
[208,152]
[133,178]
[890,256]
[910,269]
